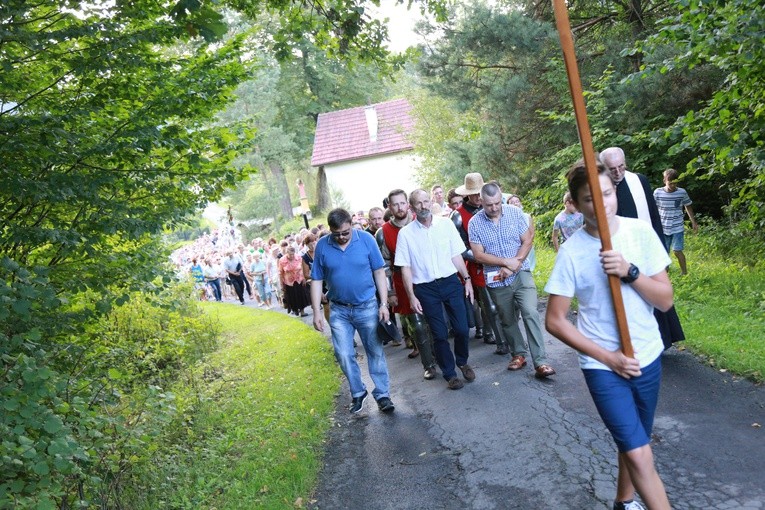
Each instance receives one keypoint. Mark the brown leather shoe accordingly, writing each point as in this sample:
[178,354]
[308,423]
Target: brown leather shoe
[455,383]
[517,363]
[413,354]
[467,373]
[543,371]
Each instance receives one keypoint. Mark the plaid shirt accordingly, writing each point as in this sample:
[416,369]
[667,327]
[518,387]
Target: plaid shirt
[502,239]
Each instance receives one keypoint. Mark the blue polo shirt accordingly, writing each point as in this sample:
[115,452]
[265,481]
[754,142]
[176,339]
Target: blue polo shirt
[348,273]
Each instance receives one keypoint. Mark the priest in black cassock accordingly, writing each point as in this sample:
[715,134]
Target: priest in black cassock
[635,198]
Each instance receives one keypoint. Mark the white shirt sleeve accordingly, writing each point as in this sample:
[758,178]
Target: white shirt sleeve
[402,251]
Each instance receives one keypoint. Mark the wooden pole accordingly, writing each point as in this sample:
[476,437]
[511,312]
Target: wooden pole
[575,85]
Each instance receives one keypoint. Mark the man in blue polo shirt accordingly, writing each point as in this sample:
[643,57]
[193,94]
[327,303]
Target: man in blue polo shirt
[350,262]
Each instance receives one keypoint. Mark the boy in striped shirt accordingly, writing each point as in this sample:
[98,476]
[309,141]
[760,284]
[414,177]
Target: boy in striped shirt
[671,201]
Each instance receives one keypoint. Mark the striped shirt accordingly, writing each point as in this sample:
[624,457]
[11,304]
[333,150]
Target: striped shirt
[671,206]
[502,239]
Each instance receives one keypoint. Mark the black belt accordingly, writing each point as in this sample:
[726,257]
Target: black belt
[340,303]
[437,280]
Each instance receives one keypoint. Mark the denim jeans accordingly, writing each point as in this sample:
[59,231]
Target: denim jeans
[344,321]
[446,293]
[215,284]
[260,284]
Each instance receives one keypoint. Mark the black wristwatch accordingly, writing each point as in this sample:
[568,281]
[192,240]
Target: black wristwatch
[632,274]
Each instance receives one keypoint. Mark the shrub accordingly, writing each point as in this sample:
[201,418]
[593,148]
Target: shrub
[81,410]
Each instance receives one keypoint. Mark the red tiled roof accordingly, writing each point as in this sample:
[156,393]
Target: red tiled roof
[343,135]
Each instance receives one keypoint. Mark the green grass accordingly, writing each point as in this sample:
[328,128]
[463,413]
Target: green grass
[721,303]
[255,418]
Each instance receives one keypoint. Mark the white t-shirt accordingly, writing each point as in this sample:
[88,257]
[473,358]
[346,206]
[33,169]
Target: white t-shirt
[428,251]
[578,273]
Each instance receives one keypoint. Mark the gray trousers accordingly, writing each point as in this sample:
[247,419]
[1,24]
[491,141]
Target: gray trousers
[521,296]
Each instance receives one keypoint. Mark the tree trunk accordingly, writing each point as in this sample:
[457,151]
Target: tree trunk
[323,200]
[283,190]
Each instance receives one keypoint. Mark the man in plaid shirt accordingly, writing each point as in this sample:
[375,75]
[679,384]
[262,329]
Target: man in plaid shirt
[501,240]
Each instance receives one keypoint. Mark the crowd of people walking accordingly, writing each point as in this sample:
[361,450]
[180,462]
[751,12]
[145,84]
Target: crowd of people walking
[442,264]
[269,272]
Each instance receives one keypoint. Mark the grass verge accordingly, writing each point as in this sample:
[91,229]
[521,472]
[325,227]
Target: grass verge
[721,304]
[255,416]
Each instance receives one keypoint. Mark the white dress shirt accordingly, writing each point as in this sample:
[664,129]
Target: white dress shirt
[428,251]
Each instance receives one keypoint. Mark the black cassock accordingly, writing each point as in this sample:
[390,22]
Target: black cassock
[669,323]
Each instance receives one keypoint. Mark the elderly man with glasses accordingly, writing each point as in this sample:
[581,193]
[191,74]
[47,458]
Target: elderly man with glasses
[635,199]
[350,262]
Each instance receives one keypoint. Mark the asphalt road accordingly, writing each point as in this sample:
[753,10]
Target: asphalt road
[510,441]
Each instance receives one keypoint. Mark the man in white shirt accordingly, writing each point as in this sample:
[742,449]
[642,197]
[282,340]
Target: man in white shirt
[437,197]
[429,252]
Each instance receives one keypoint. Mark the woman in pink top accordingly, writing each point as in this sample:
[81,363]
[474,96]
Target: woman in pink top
[293,282]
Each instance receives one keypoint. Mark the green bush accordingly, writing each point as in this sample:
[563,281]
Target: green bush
[37,448]
[730,241]
[82,410]
[149,338]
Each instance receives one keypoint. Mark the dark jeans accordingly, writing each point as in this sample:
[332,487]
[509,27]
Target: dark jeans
[238,282]
[215,284]
[449,293]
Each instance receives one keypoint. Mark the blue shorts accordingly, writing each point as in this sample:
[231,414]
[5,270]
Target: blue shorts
[674,241]
[626,406]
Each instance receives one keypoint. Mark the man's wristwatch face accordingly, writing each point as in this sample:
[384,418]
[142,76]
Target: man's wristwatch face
[632,274]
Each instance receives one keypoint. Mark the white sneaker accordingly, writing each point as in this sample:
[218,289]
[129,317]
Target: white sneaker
[628,505]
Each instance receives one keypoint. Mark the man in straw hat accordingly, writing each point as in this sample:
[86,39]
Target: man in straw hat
[486,318]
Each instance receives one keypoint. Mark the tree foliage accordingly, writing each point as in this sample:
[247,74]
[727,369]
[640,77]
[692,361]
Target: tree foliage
[105,135]
[496,67]
[109,135]
[698,78]
[283,102]
[723,136]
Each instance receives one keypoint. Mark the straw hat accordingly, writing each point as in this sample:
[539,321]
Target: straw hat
[473,184]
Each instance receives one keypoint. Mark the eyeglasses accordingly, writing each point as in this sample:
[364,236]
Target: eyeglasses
[345,233]
[621,166]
